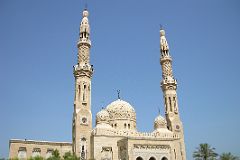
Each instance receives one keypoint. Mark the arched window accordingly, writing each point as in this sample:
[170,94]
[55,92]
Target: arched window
[83,144]
[22,153]
[36,152]
[152,158]
[128,126]
[164,158]
[49,153]
[139,158]
[125,125]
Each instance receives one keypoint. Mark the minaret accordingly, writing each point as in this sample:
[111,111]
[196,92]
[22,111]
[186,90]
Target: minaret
[169,87]
[82,115]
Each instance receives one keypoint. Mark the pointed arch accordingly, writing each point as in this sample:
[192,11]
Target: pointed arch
[164,158]
[139,158]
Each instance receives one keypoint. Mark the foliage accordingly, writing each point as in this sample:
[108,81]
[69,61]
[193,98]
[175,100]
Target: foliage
[228,156]
[205,152]
[70,156]
[36,158]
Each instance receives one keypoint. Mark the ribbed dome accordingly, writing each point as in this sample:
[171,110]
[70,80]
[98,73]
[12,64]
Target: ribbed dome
[160,122]
[120,109]
[102,117]
[122,115]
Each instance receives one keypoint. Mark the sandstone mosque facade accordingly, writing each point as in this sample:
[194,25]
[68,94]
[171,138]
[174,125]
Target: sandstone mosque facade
[115,136]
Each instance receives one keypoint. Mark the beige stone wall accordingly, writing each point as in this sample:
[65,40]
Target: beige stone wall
[102,142]
[14,146]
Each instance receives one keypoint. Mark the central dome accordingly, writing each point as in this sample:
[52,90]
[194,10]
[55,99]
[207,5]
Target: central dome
[122,115]
[120,109]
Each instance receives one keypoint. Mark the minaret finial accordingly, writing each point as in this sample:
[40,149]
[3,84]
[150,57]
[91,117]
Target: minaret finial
[163,43]
[161,27]
[84,29]
[86,6]
[118,92]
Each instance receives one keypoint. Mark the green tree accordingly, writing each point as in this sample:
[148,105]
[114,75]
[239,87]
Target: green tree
[36,158]
[205,152]
[70,156]
[228,156]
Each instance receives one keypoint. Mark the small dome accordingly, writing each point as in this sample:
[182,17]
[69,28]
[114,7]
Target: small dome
[102,117]
[160,122]
[120,109]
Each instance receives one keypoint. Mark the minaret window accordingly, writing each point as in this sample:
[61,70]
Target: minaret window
[128,126]
[125,125]
[174,102]
[166,104]
[83,149]
[84,92]
[175,154]
[79,91]
[170,103]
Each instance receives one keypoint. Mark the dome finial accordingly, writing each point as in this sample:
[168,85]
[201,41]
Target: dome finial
[118,92]
[159,110]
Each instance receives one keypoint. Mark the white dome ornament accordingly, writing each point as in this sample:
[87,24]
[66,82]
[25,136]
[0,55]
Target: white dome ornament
[102,117]
[102,120]
[160,122]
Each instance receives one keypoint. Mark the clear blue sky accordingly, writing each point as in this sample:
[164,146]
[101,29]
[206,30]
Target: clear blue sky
[38,49]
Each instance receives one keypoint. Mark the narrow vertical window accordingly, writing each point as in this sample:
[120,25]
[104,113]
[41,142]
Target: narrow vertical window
[79,92]
[128,126]
[175,154]
[174,102]
[166,104]
[84,92]
[170,103]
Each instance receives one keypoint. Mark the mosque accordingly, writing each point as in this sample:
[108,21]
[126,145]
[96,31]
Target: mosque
[114,136]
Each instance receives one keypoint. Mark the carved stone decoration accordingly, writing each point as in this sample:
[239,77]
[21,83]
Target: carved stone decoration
[106,153]
[83,54]
[167,69]
[148,146]
[120,109]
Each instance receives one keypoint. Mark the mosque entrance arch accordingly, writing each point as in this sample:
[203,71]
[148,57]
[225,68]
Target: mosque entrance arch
[152,158]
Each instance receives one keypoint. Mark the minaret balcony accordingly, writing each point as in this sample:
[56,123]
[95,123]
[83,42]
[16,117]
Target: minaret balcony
[165,58]
[83,70]
[169,83]
[83,41]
